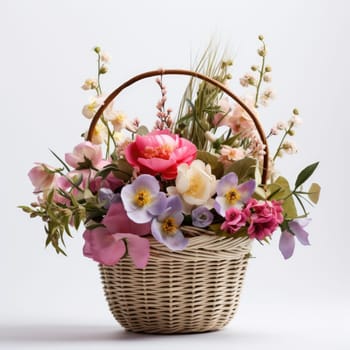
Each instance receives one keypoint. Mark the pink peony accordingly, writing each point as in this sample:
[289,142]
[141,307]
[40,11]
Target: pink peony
[86,155]
[42,177]
[107,245]
[263,217]
[160,152]
[234,220]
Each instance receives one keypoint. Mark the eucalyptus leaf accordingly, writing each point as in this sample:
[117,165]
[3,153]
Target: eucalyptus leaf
[281,191]
[305,174]
[142,130]
[314,192]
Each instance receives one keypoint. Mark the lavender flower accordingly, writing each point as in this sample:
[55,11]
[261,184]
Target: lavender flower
[165,227]
[142,199]
[287,240]
[107,196]
[202,217]
[230,194]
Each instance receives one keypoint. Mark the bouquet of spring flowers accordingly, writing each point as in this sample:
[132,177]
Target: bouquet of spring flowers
[209,169]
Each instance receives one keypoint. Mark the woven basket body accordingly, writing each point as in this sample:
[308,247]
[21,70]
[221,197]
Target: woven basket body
[195,290]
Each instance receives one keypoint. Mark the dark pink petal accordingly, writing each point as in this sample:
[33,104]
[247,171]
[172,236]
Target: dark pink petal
[131,154]
[287,244]
[138,248]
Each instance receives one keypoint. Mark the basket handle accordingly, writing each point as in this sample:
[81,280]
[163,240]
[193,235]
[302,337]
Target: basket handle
[212,81]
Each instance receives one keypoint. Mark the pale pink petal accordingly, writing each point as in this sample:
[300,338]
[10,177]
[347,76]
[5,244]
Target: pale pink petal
[138,248]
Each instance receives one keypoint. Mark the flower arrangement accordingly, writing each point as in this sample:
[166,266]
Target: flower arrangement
[205,169]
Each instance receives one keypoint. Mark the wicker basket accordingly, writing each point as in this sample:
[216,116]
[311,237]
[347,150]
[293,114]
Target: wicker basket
[194,290]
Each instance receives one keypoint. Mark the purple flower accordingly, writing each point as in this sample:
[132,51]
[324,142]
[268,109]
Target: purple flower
[165,227]
[142,199]
[287,240]
[107,196]
[230,194]
[202,217]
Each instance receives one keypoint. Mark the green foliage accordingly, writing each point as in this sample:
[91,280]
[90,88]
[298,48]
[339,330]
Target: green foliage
[217,167]
[280,190]
[245,169]
[314,193]
[305,174]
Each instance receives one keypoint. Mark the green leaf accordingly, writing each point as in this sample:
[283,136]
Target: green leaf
[142,130]
[314,192]
[305,174]
[217,167]
[245,169]
[280,190]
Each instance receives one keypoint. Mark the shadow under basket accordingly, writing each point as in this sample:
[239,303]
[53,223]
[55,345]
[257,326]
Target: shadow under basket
[189,291]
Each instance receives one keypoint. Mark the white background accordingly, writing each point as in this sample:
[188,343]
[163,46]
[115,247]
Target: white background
[53,301]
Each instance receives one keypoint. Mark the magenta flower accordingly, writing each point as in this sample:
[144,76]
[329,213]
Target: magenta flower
[287,240]
[159,153]
[142,199]
[202,217]
[86,155]
[263,217]
[234,219]
[230,194]
[107,245]
[165,227]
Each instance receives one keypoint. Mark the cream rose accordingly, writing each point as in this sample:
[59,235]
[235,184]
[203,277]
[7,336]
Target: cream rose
[195,183]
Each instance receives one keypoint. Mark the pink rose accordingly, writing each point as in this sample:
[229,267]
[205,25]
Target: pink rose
[234,220]
[42,177]
[160,152]
[263,217]
[86,155]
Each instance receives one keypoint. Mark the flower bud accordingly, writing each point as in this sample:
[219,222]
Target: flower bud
[97,49]
[295,111]
[103,69]
[268,69]
[267,78]
[262,52]
[254,68]
[261,37]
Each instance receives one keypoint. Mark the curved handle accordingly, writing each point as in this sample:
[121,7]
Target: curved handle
[212,81]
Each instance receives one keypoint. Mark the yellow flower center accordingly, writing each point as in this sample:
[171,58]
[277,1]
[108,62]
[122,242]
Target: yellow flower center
[169,226]
[142,197]
[232,196]
[163,152]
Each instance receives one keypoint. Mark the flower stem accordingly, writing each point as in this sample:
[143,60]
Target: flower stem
[262,71]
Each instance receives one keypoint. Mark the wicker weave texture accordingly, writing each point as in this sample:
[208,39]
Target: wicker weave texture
[194,290]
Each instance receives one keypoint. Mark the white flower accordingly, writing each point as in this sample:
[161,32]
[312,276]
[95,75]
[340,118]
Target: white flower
[120,121]
[90,109]
[105,57]
[289,147]
[295,120]
[281,126]
[267,95]
[95,102]
[195,183]
[100,134]
[247,80]
[89,84]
